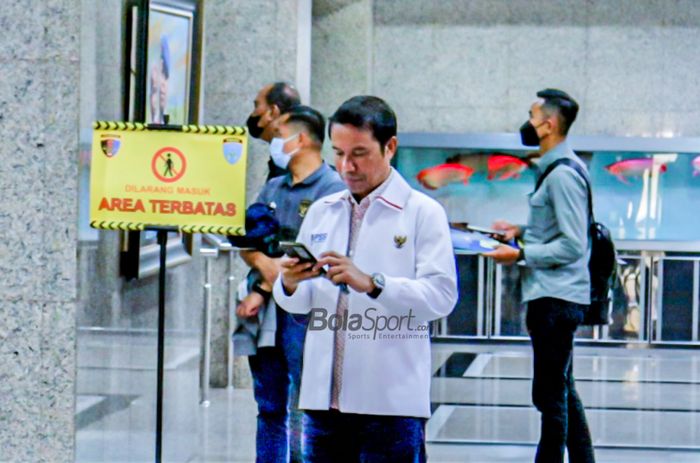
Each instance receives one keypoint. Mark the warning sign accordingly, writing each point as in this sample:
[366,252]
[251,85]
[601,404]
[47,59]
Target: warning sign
[193,179]
[171,162]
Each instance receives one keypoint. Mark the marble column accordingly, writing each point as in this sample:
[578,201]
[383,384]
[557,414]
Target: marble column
[39,58]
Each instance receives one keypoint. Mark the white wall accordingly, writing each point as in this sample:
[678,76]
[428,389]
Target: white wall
[474,66]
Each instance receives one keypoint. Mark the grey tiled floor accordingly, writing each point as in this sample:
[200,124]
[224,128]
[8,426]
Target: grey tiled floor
[631,368]
[228,436]
[116,390]
[608,427]
[644,399]
[516,392]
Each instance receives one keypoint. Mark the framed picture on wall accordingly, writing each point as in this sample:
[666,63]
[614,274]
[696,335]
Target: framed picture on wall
[168,73]
[162,76]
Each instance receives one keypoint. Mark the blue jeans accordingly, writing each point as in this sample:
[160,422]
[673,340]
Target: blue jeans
[335,437]
[552,324]
[276,375]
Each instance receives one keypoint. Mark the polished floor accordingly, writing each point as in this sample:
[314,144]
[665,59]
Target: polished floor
[639,399]
[643,405]
[116,390]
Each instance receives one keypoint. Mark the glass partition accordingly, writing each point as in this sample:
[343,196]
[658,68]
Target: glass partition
[473,185]
[465,319]
[642,195]
[647,195]
[644,190]
[677,319]
[626,315]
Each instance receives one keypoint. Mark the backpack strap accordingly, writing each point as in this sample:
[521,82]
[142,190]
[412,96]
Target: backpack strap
[579,170]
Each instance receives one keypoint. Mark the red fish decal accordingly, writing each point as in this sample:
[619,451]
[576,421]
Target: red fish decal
[630,168]
[436,177]
[505,166]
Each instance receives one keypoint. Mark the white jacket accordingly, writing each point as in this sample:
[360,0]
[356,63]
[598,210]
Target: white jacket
[381,376]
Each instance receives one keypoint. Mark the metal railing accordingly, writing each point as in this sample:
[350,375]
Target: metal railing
[213,246]
[659,289]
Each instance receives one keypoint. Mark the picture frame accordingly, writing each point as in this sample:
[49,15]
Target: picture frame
[162,68]
[169,64]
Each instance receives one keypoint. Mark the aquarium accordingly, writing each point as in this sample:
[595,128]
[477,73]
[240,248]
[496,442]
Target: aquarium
[643,189]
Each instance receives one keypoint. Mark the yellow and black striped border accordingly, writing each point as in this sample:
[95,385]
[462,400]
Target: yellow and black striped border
[138,127]
[111,225]
[112,125]
[137,226]
[214,129]
[219,230]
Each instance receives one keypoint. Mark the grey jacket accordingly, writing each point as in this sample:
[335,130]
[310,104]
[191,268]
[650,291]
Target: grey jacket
[249,334]
[556,235]
[290,202]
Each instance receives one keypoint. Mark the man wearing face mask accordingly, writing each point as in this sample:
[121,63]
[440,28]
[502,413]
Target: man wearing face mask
[276,366]
[272,101]
[555,277]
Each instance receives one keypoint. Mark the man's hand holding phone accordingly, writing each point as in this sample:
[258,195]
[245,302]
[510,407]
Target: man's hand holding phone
[295,271]
[510,231]
[301,264]
[505,254]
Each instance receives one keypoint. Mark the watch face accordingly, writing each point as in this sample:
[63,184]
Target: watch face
[378,280]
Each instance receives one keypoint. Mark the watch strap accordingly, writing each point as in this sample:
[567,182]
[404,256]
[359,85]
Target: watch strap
[375,292]
[258,289]
[378,288]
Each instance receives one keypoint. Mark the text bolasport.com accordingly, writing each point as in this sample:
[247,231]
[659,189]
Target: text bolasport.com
[369,325]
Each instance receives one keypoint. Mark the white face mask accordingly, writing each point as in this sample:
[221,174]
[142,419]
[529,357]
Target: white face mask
[279,157]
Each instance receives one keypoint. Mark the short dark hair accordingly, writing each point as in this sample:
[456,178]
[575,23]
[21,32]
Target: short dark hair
[369,113]
[562,104]
[284,95]
[312,120]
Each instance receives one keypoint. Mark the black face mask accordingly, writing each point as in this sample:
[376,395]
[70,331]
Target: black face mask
[528,134]
[253,129]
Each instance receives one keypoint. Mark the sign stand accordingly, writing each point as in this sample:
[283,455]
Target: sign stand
[206,191]
[162,238]
[163,243]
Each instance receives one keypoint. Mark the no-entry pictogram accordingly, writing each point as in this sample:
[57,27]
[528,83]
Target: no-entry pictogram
[169,164]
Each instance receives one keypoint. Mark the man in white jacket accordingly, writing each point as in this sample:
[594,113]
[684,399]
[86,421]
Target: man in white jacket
[390,270]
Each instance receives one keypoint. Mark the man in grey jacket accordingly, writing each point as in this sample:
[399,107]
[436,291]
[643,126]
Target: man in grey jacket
[555,279]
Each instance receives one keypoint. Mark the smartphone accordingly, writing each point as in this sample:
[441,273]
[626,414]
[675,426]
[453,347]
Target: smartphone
[488,231]
[301,252]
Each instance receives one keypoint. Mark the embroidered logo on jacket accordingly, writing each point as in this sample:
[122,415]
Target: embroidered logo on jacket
[318,237]
[400,240]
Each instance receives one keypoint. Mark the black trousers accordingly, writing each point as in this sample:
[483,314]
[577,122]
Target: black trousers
[552,323]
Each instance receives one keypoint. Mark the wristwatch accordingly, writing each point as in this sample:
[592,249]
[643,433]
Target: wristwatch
[378,281]
[258,289]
